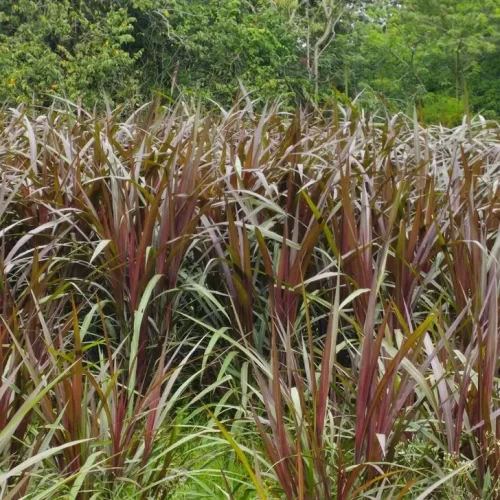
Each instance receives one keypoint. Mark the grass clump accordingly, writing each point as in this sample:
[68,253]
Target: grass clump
[248,306]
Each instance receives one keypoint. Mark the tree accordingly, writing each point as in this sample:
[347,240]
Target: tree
[208,45]
[419,50]
[73,48]
[440,54]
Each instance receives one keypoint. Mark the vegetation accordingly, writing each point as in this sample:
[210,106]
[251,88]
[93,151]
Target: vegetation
[247,304]
[438,54]
[249,249]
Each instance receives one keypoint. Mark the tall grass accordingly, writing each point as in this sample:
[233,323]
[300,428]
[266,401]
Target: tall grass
[236,305]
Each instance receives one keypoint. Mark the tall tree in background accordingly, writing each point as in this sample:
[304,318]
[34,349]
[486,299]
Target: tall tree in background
[464,31]
[319,24]
[208,45]
[318,21]
[70,47]
[428,50]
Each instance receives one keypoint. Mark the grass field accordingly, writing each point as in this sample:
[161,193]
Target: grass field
[240,305]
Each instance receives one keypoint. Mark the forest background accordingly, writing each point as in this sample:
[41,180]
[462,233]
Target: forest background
[439,54]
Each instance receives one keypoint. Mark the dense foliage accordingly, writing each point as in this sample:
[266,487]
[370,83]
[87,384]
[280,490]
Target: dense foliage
[248,305]
[439,54]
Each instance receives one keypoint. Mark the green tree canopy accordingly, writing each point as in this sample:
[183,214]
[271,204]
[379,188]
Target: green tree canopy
[440,54]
